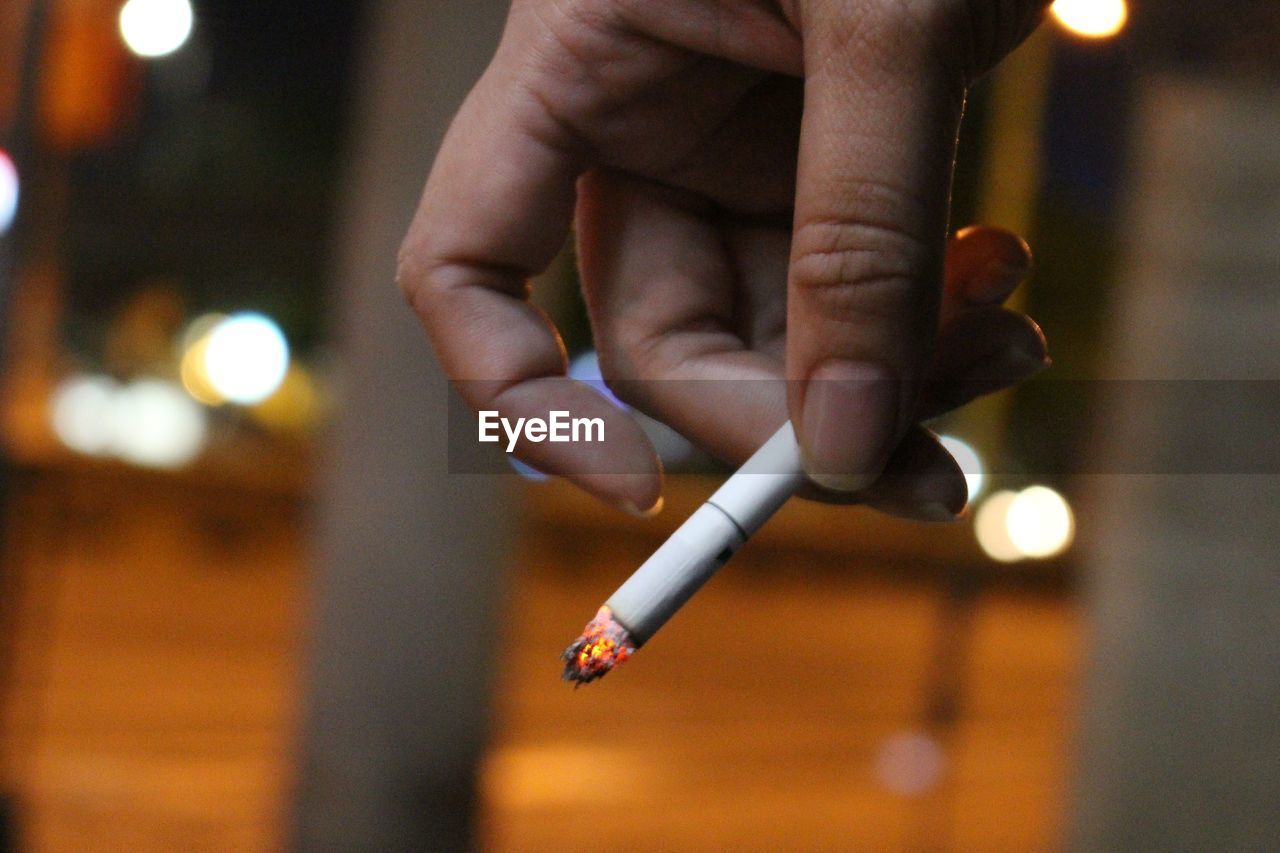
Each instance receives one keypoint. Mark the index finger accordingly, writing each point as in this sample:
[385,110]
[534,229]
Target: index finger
[495,211]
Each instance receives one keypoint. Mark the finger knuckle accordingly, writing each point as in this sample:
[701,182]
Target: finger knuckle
[848,267]
[424,279]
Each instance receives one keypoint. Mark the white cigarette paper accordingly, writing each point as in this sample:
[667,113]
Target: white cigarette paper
[709,537]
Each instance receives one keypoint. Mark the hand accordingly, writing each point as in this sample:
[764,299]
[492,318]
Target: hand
[720,154]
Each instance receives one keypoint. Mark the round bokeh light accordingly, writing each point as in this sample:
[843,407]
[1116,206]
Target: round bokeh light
[156,28]
[154,424]
[1039,522]
[80,413]
[1096,19]
[910,763]
[246,358]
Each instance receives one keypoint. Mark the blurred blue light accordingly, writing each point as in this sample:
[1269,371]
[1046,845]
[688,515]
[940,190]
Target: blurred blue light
[585,367]
[527,471]
[8,191]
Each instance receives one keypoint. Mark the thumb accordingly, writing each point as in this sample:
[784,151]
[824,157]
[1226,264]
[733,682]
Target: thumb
[878,136]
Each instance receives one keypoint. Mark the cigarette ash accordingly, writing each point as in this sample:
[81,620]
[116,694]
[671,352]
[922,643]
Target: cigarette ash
[603,645]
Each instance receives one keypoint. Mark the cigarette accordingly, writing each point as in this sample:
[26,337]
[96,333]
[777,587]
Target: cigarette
[687,560]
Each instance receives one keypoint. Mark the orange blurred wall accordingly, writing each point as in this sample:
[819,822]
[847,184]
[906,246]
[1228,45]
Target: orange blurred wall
[89,81]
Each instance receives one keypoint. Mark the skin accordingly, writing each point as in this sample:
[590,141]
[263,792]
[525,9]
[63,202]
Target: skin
[759,190]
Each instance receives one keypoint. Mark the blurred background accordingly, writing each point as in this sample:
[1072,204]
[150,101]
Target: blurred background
[244,604]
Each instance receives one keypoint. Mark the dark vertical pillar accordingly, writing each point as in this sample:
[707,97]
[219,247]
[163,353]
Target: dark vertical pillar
[409,557]
[1180,738]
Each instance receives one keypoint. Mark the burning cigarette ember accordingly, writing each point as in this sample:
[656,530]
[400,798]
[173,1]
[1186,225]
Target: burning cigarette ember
[693,553]
[603,645]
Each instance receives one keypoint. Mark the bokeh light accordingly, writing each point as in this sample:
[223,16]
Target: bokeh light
[1039,522]
[8,191]
[156,28]
[524,469]
[154,424]
[194,377]
[585,367]
[910,763]
[80,413]
[968,460]
[191,369]
[148,422]
[199,328]
[295,405]
[246,358]
[991,528]
[1036,522]
[1091,18]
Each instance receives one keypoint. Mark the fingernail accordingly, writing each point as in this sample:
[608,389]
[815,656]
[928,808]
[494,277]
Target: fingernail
[631,509]
[849,417]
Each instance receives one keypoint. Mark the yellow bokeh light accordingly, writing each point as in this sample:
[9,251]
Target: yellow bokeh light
[1091,18]
[295,405]
[990,526]
[195,379]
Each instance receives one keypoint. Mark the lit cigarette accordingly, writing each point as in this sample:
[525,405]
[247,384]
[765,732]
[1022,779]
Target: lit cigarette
[687,560]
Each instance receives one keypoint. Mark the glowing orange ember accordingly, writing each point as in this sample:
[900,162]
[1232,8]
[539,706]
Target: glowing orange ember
[603,645]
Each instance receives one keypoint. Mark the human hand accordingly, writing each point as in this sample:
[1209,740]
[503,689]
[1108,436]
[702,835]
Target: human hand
[721,156]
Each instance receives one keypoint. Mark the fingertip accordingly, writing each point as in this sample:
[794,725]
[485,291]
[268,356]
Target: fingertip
[634,509]
[630,481]
[922,481]
[844,483]
[982,351]
[848,419]
[937,512]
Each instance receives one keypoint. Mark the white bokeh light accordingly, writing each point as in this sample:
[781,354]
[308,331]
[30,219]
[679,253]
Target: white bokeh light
[155,424]
[1091,18]
[80,413]
[246,358]
[8,191]
[155,28]
[1039,522]
[968,460]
